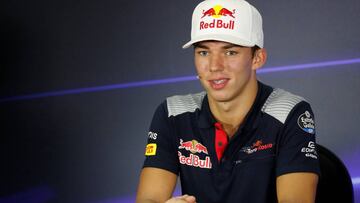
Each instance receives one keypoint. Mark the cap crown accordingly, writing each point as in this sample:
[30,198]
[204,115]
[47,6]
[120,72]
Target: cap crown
[233,21]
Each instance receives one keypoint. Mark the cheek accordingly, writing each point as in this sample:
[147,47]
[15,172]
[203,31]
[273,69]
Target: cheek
[240,66]
[200,65]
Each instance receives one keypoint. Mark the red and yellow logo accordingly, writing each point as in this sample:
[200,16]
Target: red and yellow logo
[150,149]
[218,11]
[193,146]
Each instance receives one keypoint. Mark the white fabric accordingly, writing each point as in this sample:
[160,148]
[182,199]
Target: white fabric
[233,21]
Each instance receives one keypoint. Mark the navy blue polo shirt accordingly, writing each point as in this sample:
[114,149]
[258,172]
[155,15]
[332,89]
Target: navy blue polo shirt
[276,137]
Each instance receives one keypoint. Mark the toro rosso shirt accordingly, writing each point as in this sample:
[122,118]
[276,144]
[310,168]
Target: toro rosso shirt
[277,137]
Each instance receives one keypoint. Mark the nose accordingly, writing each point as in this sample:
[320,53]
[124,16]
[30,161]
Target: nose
[216,63]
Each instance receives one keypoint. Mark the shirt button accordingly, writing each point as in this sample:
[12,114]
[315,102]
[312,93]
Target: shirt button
[238,161]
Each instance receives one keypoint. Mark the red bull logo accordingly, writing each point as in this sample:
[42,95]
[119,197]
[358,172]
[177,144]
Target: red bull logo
[193,146]
[194,160]
[217,12]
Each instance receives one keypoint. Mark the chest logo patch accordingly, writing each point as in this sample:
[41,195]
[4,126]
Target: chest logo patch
[306,122]
[257,146]
[193,146]
[194,160]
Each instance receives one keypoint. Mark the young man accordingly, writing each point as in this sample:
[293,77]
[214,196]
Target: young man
[240,140]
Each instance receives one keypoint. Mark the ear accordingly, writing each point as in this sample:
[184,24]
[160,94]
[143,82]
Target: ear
[259,58]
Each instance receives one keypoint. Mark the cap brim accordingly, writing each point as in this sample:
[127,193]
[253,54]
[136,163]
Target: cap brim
[223,38]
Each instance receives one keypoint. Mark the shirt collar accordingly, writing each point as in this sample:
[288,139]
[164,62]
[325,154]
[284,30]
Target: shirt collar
[207,120]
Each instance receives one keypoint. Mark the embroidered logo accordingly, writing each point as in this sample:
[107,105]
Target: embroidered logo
[150,149]
[152,135]
[306,122]
[193,146]
[217,12]
[194,160]
[310,151]
[257,146]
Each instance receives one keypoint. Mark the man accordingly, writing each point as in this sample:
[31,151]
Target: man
[240,140]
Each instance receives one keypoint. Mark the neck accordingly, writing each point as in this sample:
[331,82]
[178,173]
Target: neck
[231,114]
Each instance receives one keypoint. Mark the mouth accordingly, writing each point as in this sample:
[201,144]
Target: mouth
[218,84]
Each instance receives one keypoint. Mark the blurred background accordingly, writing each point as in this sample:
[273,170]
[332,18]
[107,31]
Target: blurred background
[80,80]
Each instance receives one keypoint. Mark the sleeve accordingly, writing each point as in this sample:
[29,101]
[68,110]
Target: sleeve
[160,151]
[297,146]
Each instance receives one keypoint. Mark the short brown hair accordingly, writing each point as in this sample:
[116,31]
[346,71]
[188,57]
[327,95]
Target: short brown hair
[254,49]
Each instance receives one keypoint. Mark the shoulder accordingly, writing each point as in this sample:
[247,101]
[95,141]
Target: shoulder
[280,103]
[180,104]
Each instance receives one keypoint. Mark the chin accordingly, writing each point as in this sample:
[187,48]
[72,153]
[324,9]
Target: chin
[220,97]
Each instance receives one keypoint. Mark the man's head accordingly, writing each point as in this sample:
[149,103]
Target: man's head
[233,21]
[228,45]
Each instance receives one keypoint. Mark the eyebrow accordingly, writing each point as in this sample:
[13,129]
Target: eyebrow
[198,45]
[231,46]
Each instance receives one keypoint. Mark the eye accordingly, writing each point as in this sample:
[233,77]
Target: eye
[203,53]
[231,52]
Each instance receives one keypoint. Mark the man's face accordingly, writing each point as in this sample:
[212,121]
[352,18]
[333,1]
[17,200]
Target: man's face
[224,69]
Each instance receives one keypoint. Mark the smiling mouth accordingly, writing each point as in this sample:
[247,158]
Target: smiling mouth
[218,84]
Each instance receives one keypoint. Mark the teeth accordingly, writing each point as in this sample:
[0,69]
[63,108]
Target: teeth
[219,81]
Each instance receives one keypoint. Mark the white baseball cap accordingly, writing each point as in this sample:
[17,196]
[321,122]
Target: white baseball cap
[233,21]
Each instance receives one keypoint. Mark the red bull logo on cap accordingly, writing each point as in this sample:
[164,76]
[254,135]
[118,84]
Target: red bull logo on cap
[217,12]
[193,146]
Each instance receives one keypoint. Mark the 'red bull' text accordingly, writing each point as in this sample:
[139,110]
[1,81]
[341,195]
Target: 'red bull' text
[217,24]
[194,160]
